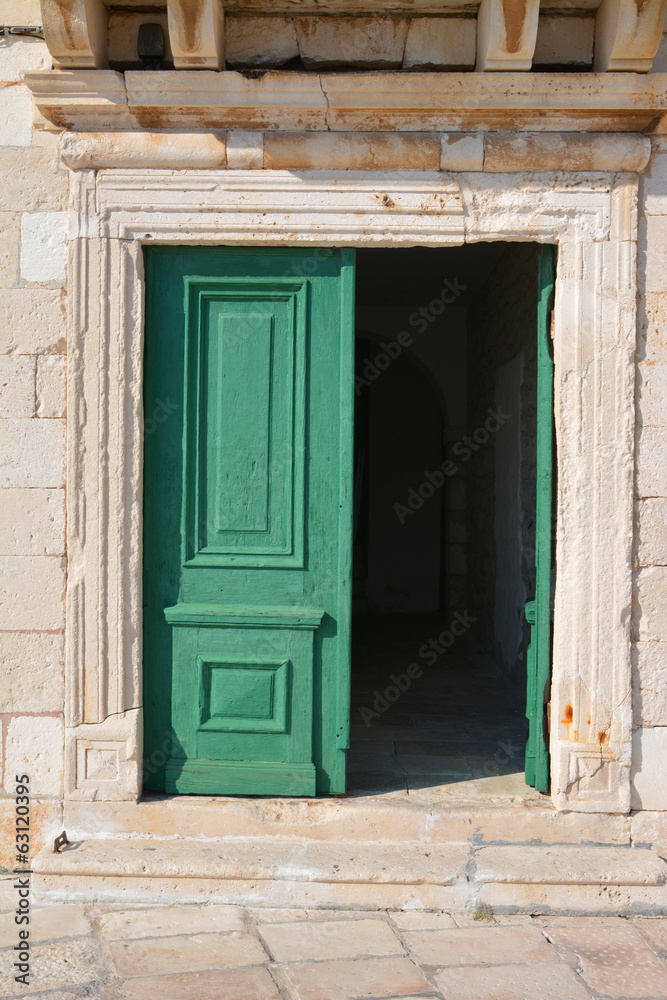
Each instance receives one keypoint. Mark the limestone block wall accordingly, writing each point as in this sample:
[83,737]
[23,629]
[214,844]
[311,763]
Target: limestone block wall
[33,228]
[650,557]
[33,251]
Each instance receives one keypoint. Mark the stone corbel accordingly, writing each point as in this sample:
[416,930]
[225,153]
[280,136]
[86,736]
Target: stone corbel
[196,33]
[506,35]
[75,32]
[627,35]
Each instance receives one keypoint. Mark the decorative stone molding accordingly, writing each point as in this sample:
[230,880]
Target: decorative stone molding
[168,150]
[343,102]
[75,32]
[103,761]
[196,33]
[592,219]
[506,35]
[627,35]
[495,152]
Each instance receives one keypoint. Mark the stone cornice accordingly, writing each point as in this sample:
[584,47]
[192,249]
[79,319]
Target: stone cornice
[99,100]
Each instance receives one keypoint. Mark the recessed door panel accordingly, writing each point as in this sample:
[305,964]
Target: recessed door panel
[247,526]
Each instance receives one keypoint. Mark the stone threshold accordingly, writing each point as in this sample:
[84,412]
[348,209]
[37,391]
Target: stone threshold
[364,819]
[91,100]
[408,875]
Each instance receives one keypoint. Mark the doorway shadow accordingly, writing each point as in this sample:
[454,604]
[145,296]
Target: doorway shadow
[427,719]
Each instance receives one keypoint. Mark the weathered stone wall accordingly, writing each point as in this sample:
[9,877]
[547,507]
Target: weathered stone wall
[650,557]
[501,328]
[33,229]
[33,220]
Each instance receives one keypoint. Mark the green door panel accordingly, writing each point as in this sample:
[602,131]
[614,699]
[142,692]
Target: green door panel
[247,519]
[538,612]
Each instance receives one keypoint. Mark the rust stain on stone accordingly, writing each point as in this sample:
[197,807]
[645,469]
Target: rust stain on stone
[190,23]
[602,736]
[569,715]
[514,13]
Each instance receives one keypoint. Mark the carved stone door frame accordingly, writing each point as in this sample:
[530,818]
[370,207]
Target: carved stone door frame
[591,217]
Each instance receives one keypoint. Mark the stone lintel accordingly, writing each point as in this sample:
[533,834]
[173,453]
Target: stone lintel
[500,152]
[342,102]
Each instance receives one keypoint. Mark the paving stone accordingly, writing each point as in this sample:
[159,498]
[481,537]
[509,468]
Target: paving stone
[49,923]
[331,939]
[278,916]
[52,996]
[186,953]
[614,959]
[422,921]
[53,966]
[160,921]
[511,982]
[371,977]
[477,945]
[655,932]
[244,984]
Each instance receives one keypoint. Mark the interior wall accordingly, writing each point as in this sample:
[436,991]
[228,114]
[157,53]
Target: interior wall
[437,346]
[404,509]
[501,470]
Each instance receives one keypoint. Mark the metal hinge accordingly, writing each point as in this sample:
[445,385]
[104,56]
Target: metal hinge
[33,32]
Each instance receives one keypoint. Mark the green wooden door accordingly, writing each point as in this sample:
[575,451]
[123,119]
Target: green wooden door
[247,521]
[538,612]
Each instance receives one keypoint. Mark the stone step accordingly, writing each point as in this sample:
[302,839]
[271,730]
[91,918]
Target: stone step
[362,819]
[291,873]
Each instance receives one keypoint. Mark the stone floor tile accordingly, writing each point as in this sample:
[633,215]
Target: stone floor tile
[55,966]
[370,977]
[59,995]
[7,894]
[514,920]
[654,930]
[165,921]
[330,939]
[416,920]
[47,923]
[481,945]
[614,960]
[186,953]
[511,982]
[277,916]
[339,914]
[231,984]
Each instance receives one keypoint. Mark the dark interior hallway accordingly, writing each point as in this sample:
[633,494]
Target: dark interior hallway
[444,520]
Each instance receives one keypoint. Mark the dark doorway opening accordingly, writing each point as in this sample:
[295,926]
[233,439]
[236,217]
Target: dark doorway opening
[444,525]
